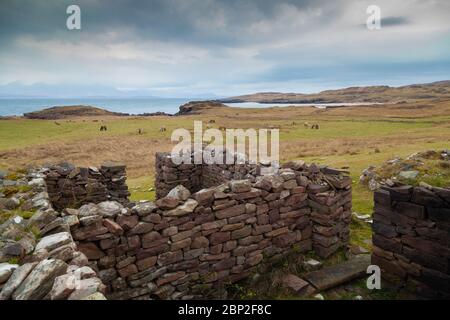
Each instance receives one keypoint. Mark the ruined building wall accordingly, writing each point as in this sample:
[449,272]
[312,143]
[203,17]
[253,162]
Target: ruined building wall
[168,175]
[197,176]
[196,237]
[72,187]
[411,237]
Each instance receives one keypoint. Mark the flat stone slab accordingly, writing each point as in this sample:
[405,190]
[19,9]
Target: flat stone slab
[333,276]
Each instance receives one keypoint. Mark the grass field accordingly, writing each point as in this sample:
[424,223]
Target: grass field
[353,137]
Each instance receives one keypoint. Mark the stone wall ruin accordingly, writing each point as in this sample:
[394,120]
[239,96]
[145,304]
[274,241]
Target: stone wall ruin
[195,236]
[411,238]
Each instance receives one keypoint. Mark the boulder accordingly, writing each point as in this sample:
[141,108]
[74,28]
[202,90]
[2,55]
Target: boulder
[6,270]
[40,281]
[91,251]
[63,286]
[86,288]
[167,203]
[109,209]
[239,186]
[54,241]
[16,279]
[179,192]
[86,210]
[186,208]
[144,208]
[79,259]
[84,273]
[42,218]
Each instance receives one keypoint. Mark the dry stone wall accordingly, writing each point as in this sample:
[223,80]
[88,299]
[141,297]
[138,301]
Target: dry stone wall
[411,237]
[38,256]
[186,243]
[69,186]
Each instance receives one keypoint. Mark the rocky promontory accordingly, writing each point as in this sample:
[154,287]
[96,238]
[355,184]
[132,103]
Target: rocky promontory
[64,112]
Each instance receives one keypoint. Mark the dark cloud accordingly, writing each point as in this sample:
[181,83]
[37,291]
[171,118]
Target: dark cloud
[394,21]
[209,44]
[200,21]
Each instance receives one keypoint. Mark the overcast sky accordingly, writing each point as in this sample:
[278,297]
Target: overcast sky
[222,47]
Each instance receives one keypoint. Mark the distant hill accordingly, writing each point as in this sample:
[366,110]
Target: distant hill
[380,94]
[70,112]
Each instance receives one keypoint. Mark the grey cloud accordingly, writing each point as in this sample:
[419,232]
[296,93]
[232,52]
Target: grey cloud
[215,44]
[394,21]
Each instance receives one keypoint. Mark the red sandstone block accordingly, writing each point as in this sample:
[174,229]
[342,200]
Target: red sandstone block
[188,265]
[109,243]
[229,245]
[89,231]
[325,252]
[169,277]
[277,232]
[212,257]
[214,224]
[113,227]
[230,212]
[254,260]
[223,204]
[262,208]
[170,231]
[216,249]
[324,241]
[127,222]
[240,218]
[393,245]
[250,239]
[134,242]
[170,257]
[199,219]
[242,250]
[298,189]
[388,231]
[272,197]
[241,233]
[153,218]
[91,251]
[193,253]
[181,235]
[148,252]
[231,227]
[146,263]
[263,219]
[128,271]
[294,214]
[389,266]
[180,244]
[410,210]
[285,209]
[162,225]
[219,237]
[260,229]
[247,195]
[142,227]
[224,264]
[274,215]
[285,240]
[200,242]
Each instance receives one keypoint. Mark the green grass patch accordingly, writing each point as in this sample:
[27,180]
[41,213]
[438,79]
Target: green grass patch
[12,190]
